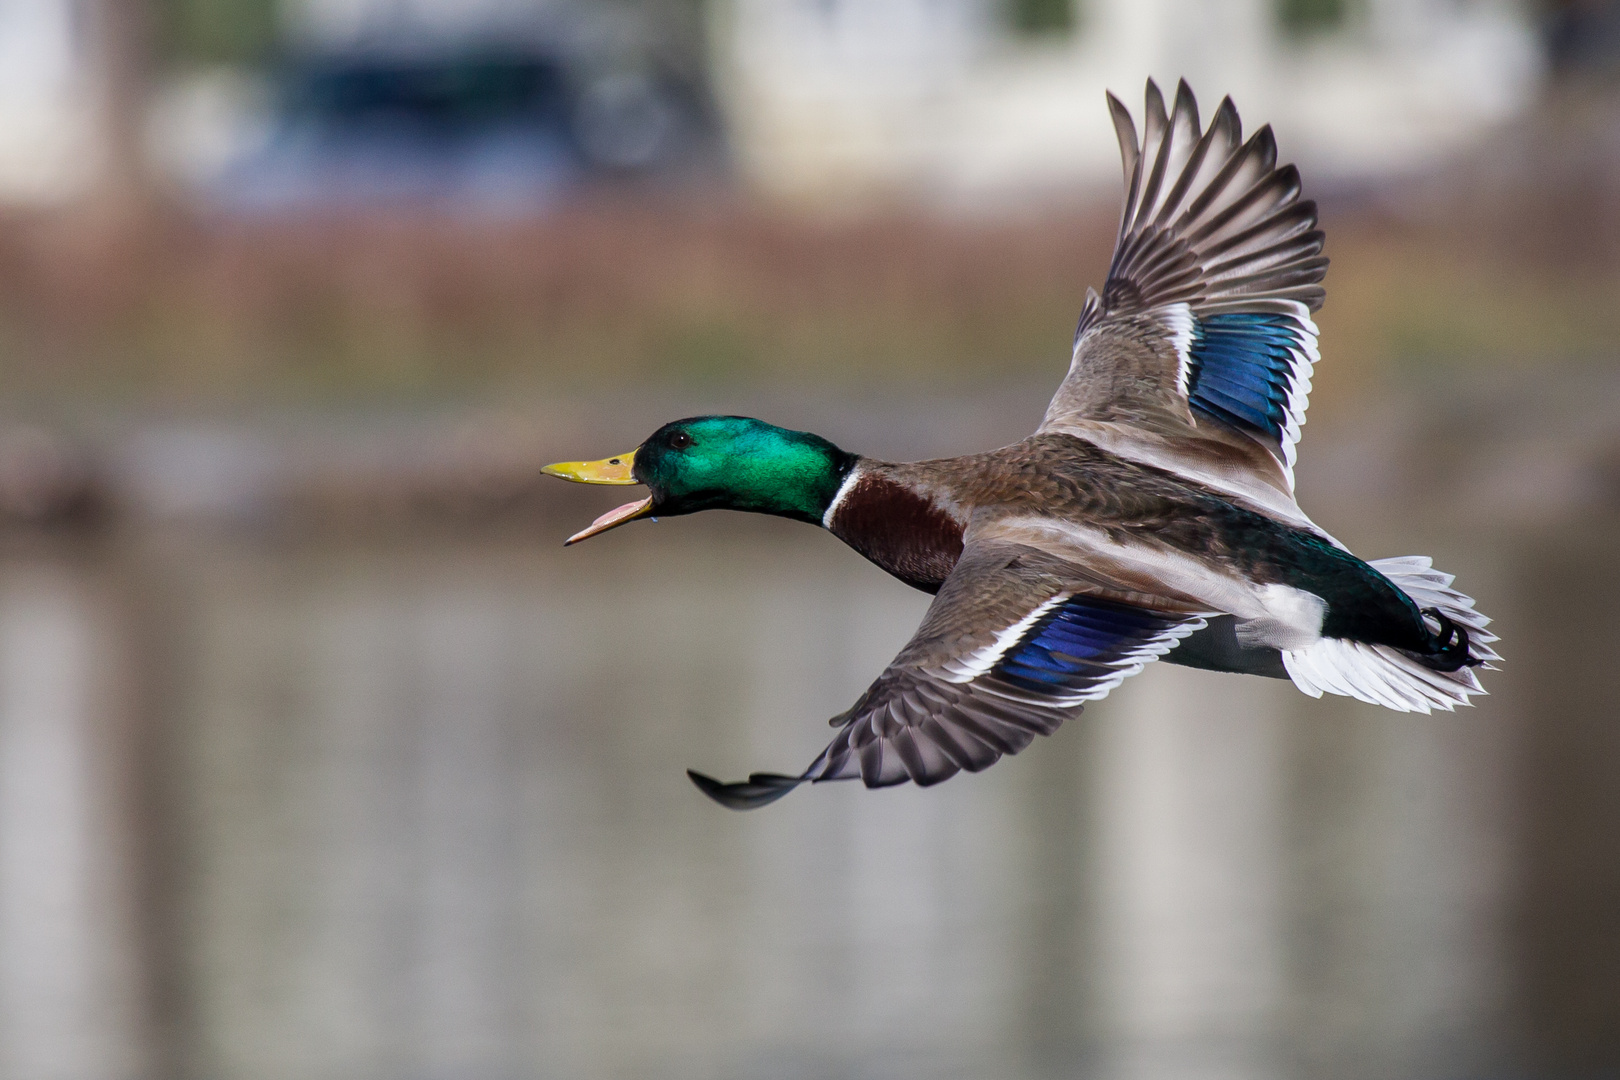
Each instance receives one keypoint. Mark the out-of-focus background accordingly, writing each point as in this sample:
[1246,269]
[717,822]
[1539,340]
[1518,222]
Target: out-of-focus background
[321,759]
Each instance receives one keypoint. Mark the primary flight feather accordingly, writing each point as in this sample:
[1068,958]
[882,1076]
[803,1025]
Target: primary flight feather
[1152,514]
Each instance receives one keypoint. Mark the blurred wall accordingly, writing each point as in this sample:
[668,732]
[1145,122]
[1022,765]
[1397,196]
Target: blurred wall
[956,98]
[51,141]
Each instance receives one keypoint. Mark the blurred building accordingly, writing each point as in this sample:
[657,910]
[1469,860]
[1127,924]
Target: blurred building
[974,97]
[963,99]
[498,102]
[50,136]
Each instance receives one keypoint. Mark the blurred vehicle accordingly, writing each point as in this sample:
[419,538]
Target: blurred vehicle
[481,126]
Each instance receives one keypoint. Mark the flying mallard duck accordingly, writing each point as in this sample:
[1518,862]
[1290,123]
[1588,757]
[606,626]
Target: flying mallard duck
[1151,514]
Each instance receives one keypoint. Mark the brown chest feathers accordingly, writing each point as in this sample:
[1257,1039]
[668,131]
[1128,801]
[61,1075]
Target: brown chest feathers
[903,532]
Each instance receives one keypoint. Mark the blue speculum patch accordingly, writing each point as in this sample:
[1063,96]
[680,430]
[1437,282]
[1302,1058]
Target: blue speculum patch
[1069,647]
[1240,365]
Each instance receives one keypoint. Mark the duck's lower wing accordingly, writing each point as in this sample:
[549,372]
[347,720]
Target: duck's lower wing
[1010,648]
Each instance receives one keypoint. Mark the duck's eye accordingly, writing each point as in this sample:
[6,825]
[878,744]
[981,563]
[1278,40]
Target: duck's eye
[680,440]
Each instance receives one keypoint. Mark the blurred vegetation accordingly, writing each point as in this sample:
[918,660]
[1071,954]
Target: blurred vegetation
[207,32]
[252,33]
[173,308]
[1040,18]
[1305,17]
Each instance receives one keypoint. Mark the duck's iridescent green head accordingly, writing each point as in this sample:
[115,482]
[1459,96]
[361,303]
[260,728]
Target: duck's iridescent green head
[719,463]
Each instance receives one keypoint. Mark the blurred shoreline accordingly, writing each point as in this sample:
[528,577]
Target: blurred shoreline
[1487,261]
[1503,446]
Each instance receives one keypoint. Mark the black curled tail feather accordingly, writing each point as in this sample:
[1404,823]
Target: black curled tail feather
[1448,646]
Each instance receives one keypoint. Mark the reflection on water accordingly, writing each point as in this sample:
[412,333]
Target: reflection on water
[68,988]
[418,810]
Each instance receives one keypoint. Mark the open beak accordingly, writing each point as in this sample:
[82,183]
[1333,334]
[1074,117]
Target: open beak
[614,470]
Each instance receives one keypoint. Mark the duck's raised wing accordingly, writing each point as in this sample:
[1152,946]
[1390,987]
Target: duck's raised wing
[1015,642]
[1201,344]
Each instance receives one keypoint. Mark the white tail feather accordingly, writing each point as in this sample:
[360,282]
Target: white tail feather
[1385,676]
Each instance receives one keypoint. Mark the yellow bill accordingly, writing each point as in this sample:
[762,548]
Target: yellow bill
[613,470]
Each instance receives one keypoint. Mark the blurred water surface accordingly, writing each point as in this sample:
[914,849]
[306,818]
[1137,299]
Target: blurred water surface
[414,808]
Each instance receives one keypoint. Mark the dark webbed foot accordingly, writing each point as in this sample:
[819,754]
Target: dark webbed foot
[1448,649]
[760,789]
